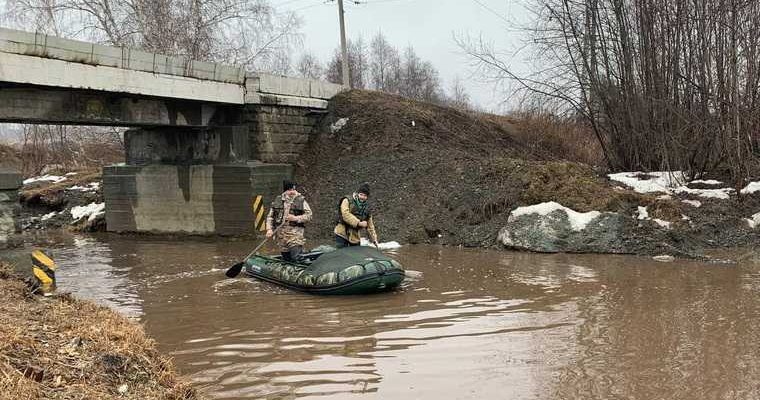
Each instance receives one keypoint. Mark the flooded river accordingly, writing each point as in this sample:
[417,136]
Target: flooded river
[467,324]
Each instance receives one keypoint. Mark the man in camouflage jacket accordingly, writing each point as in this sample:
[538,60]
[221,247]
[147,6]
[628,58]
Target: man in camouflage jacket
[290,212]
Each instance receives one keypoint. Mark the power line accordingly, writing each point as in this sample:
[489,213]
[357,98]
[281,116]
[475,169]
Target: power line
[492,11]
[321,3]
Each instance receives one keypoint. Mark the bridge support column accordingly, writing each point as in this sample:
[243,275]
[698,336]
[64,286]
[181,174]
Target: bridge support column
[206,180]
[195,181]
[10,182]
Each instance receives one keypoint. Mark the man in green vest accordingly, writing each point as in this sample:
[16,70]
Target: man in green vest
[354,214]
[288,215]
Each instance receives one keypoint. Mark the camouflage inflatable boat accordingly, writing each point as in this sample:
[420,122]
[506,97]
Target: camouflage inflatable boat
[350,270]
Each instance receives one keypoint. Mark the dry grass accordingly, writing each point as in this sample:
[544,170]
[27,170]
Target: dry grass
[63,348]
[562,138]
[50,195]
[9,157]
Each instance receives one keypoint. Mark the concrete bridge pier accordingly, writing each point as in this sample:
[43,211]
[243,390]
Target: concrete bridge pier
[206,180]
[10,182]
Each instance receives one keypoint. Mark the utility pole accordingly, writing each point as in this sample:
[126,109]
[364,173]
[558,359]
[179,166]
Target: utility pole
[346,73]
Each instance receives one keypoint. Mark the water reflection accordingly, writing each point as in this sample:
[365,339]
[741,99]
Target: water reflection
[467,324]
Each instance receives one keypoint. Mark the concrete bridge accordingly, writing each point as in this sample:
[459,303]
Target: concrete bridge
[207,139]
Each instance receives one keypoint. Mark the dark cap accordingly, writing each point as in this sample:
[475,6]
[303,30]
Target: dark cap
[364,188]
[287,185]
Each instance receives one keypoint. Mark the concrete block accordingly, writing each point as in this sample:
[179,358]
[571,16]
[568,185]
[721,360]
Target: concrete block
[324,90]
[283,85]
[10,179]
[273,99]
[197,199]
[41,45]
[57,73]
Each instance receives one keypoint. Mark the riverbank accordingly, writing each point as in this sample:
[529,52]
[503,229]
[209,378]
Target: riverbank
[59,347]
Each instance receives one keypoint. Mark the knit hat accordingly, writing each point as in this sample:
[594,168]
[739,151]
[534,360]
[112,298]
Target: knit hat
[287,185]
[364,188]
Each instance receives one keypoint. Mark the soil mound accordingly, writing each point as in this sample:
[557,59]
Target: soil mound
[438,175]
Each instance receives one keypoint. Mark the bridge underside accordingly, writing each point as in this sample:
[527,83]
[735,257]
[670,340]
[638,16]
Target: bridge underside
[47,105]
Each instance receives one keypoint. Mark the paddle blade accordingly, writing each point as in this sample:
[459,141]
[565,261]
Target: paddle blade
[234,270]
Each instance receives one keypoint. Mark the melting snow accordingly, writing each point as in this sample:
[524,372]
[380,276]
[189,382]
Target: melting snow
[578,221]
[48,216]
[662,223]
[752,187]
[669,183]
[693,203]
[45,178]
[643,214]
[657,182]
[753,221]
[708,182]
[338,125]
[91,187]
[723,193]
[383,246]
[91,210]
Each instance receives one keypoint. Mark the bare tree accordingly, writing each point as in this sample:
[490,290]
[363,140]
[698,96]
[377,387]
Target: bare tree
[358,64]
[664,84]
[458,97]
[309,66]
[245,32]
[384,65]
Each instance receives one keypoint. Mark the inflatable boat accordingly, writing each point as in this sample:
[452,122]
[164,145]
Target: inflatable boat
[350,270]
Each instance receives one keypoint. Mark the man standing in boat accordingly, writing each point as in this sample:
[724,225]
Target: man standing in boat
[353,215]
[288,215]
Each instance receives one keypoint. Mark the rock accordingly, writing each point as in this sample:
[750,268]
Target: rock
[553,232]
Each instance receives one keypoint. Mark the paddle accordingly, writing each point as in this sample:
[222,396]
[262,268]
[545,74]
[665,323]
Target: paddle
[235,269]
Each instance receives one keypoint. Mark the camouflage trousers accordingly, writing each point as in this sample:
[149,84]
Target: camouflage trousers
[289,236]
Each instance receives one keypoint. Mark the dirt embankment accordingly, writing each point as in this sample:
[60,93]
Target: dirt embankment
[439,175]
[62,348]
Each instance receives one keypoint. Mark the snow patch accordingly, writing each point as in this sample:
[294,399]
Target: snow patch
[723,193]
[336,126]
[662,223]
[664,258]
[650,182]
[48,216]
[45,178]
[669,183]
[382,246]
[643,213]
[92,210]
[707,182]
[693,203]
[753,221]
[578,221]
[91,187]
[752,187]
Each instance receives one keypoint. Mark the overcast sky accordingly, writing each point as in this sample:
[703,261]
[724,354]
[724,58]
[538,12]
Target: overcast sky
[426,25]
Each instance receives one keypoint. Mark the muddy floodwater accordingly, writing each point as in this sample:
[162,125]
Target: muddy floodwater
[467,323]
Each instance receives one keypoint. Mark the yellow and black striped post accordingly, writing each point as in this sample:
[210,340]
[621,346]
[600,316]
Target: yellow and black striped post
[260,215]
[43,268]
